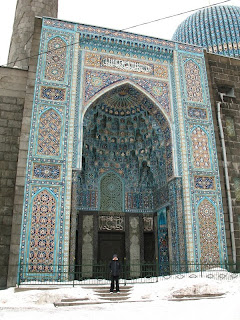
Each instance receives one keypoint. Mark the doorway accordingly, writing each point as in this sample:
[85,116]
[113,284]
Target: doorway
[149,247]
[110,243]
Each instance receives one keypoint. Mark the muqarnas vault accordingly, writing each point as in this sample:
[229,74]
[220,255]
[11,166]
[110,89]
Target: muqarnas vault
[122,154]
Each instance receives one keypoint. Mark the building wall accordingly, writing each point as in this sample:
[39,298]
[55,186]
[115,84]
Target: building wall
[225,72]
[22,158]
[76,80]
[12,96]
[71,78]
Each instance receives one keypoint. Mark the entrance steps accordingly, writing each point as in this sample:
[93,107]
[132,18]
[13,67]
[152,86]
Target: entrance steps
[103,296]
[104,293]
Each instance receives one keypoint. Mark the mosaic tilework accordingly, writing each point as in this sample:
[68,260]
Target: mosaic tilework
[124,132]
[125,38]
[176,221]
[46,171]
[49,157]
[87,199]
[96,81]
[55,94]
[199,154]
[92,60]
[204,182]
[141,134]
[200,149]
[160,196]
[193,81]
[56,59]
[58,24]
[215,28]
[42,234]
[208,232]
[161,71]
[111,190]
[49,134]
[139,202]
[197,113]
[163,254]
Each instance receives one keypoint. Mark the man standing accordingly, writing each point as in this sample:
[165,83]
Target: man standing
[115,268]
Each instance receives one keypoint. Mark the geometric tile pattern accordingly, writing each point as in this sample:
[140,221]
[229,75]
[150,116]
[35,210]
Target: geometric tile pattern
[216,29]
[204,182]
[41,254]
[163,256]
[196,125]
[49,134]
[98,80]
[150,136]
[121,135]
[193,81]
[111,189]
[200,147]
[55,94]
[208,232]
[197,113]
[46,171]
[46,205]
[56,59]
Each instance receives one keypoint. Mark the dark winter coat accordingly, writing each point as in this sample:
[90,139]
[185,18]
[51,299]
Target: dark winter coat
[115,268]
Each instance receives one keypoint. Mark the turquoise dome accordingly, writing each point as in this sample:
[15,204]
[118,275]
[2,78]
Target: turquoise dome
[217,29]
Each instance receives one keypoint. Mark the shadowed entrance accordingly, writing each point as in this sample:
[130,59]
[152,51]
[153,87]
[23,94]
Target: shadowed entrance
[110,243]
[126,167]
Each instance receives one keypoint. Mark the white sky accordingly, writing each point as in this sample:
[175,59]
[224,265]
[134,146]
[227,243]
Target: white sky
[112,14]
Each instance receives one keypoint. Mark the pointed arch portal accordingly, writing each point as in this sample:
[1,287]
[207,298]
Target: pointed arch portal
[126,168]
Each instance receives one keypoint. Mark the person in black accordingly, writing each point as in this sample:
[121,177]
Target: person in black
[115,268]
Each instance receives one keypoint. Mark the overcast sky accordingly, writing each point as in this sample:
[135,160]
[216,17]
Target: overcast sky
[112,14]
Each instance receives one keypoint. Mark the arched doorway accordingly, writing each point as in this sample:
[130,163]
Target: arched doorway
[126,166]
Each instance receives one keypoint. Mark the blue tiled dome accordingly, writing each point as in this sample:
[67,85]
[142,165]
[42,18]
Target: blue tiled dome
[217,29]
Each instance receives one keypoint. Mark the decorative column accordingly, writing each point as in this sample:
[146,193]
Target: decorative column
[134,237]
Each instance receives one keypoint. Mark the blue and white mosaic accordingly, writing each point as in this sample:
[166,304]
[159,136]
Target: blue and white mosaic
[131,115]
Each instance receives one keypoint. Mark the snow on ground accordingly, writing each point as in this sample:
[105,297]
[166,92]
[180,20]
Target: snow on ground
[38,304]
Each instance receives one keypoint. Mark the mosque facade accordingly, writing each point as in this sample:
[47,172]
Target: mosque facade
[118,152]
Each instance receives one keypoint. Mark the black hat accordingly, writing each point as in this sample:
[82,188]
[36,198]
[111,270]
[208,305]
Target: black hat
[115,255]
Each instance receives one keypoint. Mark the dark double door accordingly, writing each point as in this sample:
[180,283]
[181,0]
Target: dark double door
[110,243]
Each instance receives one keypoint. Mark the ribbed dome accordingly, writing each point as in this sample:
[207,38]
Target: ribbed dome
[217,29]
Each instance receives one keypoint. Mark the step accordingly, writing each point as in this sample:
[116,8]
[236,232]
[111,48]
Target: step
[104,293]
[72,304]
[74,299]
[194,298]
[181,297]
[33,288]
[200,295]
[123,287]
[113,298]
[107,292]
